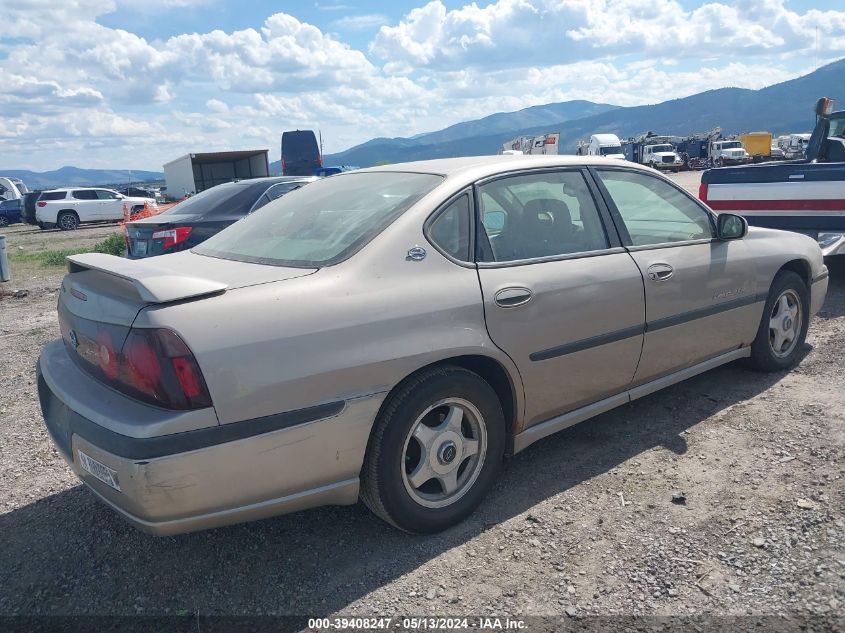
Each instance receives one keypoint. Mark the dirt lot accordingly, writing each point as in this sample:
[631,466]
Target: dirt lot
[582,523]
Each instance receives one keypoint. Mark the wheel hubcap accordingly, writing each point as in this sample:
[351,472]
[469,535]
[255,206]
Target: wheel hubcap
[444,453]
[785,323]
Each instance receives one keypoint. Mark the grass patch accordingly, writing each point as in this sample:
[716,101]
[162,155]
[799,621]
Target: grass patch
[112,245]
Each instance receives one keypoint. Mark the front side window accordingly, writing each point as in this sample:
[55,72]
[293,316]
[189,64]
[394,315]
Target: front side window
[102,194]
[450,230]
[323,223]
[540,215]
[653,211]
[85,194]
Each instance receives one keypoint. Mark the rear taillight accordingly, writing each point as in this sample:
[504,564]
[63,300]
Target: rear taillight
[41,203]
[153,365]
[159,368]
[172,237]
[702,192]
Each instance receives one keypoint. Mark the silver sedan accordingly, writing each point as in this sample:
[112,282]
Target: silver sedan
[391,334]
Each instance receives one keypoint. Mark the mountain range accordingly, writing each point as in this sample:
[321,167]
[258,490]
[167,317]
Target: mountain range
[77,177]
[782,108]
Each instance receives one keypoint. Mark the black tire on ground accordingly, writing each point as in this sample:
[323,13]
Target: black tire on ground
[383,488]
[67,221]
[763,356]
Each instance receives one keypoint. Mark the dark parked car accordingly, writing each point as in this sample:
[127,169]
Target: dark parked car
[28,211]
[10,212]
[300,153]
[196,219]
[137,192]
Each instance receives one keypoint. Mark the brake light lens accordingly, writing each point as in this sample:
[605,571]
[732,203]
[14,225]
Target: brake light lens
[702,192]
[153,365]
[550,140]
[172,237]
[41,203]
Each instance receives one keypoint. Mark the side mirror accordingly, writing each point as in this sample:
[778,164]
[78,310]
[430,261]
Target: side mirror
[731,227]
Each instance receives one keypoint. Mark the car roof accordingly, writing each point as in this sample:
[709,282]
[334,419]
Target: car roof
[77,189]
[480,166]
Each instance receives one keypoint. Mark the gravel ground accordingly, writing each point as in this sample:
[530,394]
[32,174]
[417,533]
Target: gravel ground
[582,523]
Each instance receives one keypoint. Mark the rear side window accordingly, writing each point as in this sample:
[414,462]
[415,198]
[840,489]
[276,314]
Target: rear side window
[53,195]
[450,230]
[653,211]
[84,194]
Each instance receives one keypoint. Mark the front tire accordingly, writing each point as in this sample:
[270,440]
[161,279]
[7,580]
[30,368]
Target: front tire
[68,221]
[4,221]
[435,451]
[783,328]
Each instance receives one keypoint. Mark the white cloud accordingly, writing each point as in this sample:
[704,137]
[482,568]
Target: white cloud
[519,32]
[359,22]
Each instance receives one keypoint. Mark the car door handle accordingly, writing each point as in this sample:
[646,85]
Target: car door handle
[512,297]
[660,272]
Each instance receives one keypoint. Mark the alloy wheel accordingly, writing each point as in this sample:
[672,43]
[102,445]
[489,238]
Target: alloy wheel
[785,323]
[444,452]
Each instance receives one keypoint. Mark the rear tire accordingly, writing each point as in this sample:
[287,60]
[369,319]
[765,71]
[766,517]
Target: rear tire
[67,221]
[783,327]
[4,221]
[435,451]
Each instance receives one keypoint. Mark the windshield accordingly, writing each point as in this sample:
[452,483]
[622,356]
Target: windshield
[732,145]
[323,223]
[610,149]
[662,148]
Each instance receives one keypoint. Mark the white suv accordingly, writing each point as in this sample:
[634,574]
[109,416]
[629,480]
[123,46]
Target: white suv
[68,208]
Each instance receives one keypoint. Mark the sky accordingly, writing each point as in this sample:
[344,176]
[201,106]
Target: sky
[136,83]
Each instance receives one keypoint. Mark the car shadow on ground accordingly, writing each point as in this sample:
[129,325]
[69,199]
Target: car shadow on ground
[67,553]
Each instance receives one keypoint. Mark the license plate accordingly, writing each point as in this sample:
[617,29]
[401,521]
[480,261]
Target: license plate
[140,247]
[100,471]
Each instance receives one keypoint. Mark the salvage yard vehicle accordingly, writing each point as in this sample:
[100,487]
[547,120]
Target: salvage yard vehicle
[10,212]
[194,220]
[68,208]
[728,152]
[392,333]
[807,196]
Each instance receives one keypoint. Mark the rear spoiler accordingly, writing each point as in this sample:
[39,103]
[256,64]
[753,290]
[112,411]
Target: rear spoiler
[154,285]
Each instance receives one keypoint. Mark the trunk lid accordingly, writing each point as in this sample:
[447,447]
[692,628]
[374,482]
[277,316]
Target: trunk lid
[101,296]
[110,289]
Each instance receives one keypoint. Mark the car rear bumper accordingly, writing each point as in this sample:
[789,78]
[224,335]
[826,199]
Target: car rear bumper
[202,478]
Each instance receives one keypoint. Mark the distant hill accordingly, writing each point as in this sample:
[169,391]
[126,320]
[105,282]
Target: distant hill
[495,125]
[76,177]
[781,108]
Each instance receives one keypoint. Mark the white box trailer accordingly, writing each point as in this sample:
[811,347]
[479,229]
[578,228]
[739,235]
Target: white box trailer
[192,173]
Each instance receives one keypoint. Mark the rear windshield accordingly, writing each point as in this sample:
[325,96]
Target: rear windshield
[226,199]
[323,223]
[52,195]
